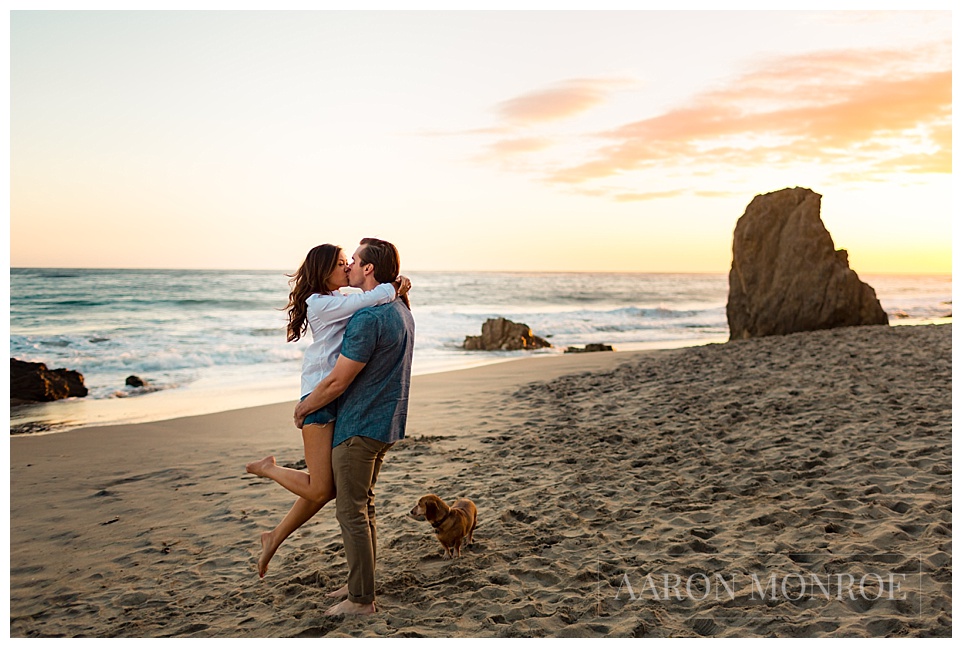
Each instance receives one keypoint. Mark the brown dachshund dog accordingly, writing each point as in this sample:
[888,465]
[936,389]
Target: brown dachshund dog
[451,523]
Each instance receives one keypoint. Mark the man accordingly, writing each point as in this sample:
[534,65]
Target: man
[373,373]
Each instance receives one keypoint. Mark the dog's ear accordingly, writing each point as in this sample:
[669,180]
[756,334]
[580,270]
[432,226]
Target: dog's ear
[430,509]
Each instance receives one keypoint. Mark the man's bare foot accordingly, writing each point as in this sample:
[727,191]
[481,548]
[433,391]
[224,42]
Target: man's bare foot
[341,593]
[258,467]
[349,608]
[268,548]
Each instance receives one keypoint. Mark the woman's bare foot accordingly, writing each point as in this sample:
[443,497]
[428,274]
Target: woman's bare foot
[347,607]
[268,548]
[341,593]
[258,467]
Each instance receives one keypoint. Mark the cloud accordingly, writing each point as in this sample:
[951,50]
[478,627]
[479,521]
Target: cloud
[490,130]
[520,145]
[651,195]
[852,107]
[565,99]
[520,119]
[717,194]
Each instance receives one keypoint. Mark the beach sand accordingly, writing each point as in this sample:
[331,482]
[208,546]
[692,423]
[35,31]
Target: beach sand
[600,479]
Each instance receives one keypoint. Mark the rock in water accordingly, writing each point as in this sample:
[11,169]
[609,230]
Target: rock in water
[589,348]
[135,381]
[504,335]
[32,381]
[786,274]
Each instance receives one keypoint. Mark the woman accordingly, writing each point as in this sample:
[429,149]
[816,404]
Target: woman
[315,302]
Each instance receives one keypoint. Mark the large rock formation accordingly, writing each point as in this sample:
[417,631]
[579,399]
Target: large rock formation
[504,335]
[786,274]
[32,381]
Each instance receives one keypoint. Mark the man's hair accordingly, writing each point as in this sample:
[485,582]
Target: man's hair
[386,260]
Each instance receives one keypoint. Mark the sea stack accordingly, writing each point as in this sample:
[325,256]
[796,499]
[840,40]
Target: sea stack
[786,274]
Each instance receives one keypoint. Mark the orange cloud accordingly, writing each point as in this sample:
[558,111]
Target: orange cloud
[566,99]
[520,145]
[491,130]
[653,195]
[717,194]
[824,107]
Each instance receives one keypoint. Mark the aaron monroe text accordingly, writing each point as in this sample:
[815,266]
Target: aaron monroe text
[767,587]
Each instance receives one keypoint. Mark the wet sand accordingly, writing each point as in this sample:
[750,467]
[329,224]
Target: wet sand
[618,495]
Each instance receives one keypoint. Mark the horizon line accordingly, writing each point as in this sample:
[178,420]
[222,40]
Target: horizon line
[586,272]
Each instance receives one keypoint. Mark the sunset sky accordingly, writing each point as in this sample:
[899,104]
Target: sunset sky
[582,141]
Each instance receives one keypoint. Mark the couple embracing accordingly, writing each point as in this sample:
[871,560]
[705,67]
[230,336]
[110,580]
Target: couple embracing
[354,385]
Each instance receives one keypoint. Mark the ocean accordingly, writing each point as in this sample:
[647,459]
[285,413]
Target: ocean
[209,340]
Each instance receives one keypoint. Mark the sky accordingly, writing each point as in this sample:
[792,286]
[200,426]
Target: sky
[603,141]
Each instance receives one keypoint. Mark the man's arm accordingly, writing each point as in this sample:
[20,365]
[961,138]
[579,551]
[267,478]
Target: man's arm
[336,383]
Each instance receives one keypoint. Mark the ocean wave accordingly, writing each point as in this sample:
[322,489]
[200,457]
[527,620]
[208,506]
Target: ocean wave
[132,392]
[45,273]
[661,312]
[75,303]
[268,332]
[144,355]
[55,343]
[152,305]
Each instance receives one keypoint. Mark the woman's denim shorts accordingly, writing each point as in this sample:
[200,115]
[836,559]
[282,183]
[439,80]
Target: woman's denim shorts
[323,416]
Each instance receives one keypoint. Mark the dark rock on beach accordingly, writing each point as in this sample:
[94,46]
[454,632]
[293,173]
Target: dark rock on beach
[501,334]
[33,382]
[786,274]
[136,386]
[589,348]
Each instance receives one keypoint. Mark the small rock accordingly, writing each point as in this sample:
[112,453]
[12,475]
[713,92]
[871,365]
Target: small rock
[589,348]
[135,381]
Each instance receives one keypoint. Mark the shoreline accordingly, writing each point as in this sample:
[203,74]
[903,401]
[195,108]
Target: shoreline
[55,417]
[812,453]
[205,398]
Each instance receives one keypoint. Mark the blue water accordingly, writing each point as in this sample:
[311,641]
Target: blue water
[200,334]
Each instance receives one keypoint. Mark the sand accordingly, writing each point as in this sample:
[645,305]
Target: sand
[617,494]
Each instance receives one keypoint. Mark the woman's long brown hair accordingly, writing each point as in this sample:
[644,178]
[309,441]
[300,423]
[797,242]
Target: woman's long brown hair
[310,278]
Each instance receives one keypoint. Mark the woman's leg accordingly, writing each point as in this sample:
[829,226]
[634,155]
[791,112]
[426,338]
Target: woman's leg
[317,483]
[316,488]
[302,511]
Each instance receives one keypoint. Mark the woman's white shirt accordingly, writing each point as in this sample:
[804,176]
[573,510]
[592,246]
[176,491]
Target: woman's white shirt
[328,315]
